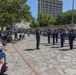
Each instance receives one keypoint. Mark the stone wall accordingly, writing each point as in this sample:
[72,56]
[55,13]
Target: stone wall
[66,27]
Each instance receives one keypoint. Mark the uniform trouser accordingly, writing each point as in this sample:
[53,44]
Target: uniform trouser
[62,42]
[69,41]
[56,39]
[38,42]
[53,41]
[71,44]
[48,39]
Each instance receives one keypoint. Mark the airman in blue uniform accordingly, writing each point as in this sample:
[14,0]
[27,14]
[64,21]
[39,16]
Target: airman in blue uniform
[49,34]
[62,35]
[71,38]
[37,38]
[54,36]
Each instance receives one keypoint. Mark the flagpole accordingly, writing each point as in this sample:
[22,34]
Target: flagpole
[73,14]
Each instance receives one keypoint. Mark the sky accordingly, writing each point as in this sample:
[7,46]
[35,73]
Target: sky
[67,5]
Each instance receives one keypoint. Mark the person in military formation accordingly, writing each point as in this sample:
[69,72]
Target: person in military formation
[62,35]
[71,38]
[49,34]
[53,36]
[37,38]
[56,36]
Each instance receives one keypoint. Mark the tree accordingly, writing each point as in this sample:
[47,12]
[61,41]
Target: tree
[34,23]
[13,11]
[65,18]
[45,19]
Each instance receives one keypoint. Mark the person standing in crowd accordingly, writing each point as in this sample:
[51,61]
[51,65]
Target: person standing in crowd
[28,33]
[49,34]
[71,38]
[23,36]
[9,38]
[16,37]
[20,36]
[2,41]
[2,46]
[5,35]
[37,38]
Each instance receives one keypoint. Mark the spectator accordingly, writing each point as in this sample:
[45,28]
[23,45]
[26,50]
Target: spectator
[2,47]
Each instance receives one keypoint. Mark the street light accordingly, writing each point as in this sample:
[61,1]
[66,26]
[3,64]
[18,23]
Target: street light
[73,14]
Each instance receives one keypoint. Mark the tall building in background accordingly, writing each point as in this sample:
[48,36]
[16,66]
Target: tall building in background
[53,7]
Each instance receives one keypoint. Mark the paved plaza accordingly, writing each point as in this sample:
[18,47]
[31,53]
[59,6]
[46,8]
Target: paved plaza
[48,60]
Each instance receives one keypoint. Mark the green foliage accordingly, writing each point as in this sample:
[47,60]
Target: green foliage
[65,18]
[45,19]
[33,23]
[13,11]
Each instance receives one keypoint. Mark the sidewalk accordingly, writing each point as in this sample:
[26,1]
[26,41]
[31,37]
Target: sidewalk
[15,64]
[48,60]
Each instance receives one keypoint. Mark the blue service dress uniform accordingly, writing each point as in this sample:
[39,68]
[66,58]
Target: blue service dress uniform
[37,39]
[48,33]
[54,36]
[71,39]
[62,35]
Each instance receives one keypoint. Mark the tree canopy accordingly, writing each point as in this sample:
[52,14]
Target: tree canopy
[34,23]
[13,11]
[45,19]
[65,18]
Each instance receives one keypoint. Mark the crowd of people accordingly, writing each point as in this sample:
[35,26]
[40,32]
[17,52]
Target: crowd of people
[6,37]
[20,36]
[2,52]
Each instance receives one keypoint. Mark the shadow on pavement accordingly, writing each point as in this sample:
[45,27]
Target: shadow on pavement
[63,49]
[29,49]
[48,45]
[59,46]
[55,47]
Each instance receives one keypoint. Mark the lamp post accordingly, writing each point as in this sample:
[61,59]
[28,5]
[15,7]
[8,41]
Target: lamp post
[73,13]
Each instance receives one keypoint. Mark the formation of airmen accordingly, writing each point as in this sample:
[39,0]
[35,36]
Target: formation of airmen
[56,35]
